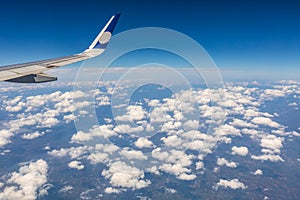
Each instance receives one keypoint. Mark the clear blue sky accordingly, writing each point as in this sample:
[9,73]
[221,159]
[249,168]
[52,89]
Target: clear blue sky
[237,34]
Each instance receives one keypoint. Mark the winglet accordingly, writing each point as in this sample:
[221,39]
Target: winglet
[105,34]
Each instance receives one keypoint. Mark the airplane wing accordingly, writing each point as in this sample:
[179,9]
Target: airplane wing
[33,72]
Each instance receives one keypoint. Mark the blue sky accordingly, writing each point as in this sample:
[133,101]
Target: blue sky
[237,34]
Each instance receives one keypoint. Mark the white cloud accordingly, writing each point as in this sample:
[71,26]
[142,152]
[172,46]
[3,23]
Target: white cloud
[232,184]
[111,190]
[30,136]
[122,175]
[76,165]
[98,157]
[227,130]
[270,157]
[242,151]
[242,123]
[29,183]
[171,190]
[69,118]
[5,136]
[265,122]
[172,141]
[66,188]
[134,113]
[272,142]
[258,172]
[133,154]
[223,161]
[125,128]
[143,142]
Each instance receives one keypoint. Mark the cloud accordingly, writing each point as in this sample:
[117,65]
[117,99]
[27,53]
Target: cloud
[272,142]
[122,175]
[143,142]
[134,113]
[227,130]
[223,161]
[111,190]
[258,172]
[241,123]
[76,165]
[270,157]
[133,154]
[265,122]
[5,136]
[28,183]
[66,188]
[30,136]
[242,151]
[232,184]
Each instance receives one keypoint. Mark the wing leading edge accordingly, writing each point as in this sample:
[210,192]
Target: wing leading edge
[32,72]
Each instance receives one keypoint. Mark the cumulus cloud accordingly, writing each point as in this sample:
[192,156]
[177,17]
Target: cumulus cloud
[76,165]
[28,183]
[122,175]
[242,151]
[66,188]
[270,157]
[5,136]
[227,130]
[265,122]
[143,142]
[258,172]
[223,161]
[133,154]
[30,136]
[272,142]
[111,190]
[232,184]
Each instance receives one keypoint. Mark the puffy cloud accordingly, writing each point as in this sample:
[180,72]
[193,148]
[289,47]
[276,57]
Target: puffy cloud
[232,184]
[143,142]
[98,157]
[172,141]
[134,113]
[242,151]
[76,165]
[66,188]
[258,172]
[171,190]
[265,122]
[28,183]
[223,161]
[111,190]
[97,131]
[5,136]
[122,175]
[70,118]
[227,130]
[132,154]
[270,157]
[241,123]
[125,128]
[30,136]
[272,142]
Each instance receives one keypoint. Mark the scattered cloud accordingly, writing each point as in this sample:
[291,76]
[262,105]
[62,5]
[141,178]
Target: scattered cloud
[76,165]
[28,183]
[258,172]
[242,151]
[232,184]
[223,161]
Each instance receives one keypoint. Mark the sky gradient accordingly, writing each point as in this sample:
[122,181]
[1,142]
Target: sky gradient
[237,34]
